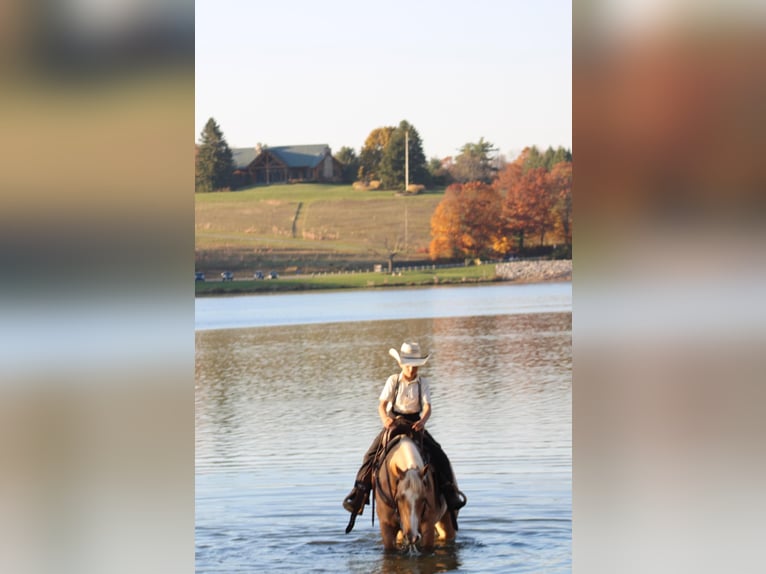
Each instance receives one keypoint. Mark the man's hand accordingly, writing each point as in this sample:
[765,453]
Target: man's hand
[419,425]
[389,422]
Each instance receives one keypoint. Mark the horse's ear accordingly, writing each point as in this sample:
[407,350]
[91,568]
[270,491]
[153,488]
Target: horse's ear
[398,472]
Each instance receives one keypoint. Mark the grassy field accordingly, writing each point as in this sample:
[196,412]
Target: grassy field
[309,226]
[448,276]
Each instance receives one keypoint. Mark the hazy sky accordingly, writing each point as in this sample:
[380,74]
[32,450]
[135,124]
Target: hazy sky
[331,71]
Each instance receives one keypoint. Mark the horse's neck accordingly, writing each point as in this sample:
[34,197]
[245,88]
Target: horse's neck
[407,455]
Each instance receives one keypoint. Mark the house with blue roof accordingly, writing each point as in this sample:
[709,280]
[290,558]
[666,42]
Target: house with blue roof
[285,164]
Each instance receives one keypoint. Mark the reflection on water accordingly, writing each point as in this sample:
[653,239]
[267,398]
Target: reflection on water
[284,414]
[443,559]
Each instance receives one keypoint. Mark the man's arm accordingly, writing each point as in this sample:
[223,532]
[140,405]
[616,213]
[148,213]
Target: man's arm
[384,418]
[425,414]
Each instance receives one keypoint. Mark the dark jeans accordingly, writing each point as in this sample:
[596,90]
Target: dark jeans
[438,459]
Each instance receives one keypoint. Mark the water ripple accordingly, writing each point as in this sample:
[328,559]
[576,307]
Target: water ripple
[284,414]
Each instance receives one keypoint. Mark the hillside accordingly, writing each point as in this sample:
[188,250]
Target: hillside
[311,227]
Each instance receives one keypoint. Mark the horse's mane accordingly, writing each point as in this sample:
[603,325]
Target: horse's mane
[405,454]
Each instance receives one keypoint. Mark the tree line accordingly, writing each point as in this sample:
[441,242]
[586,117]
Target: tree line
[490,208]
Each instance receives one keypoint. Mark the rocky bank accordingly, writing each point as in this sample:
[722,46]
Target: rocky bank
[535,271]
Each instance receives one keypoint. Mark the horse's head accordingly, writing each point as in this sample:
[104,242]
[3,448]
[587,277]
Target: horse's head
[414,499]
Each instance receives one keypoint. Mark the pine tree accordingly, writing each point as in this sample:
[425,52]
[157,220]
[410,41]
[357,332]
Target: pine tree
[214,162]
[474,163]
[347,156]
[392,162]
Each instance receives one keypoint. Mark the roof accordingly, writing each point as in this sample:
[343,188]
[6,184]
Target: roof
[301,155]
[242,156]
[291,155]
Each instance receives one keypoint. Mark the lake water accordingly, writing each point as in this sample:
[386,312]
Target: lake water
[284,413]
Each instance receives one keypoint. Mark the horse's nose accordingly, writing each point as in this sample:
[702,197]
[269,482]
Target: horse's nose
[414,538]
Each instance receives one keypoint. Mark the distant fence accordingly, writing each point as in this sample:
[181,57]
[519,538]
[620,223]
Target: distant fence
[515,270]
[383,268]
[532,269]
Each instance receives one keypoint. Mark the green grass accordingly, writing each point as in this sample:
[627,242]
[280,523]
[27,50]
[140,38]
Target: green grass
[305,192]
[310,226]
[363,280]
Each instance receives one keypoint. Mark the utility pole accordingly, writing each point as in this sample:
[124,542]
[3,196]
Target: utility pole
[406,180]
[406,160]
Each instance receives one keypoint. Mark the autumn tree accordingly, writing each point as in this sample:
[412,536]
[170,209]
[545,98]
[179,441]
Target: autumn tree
[466,222]
[541,201]
[347,156]
[527,203]
[214,162]
[536,200]
[515,219]
[446,225]
[560,186]
[403,139]
[474,163]
[372,153]
[527,209]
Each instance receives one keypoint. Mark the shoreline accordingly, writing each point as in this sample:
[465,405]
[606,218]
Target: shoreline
[518,272]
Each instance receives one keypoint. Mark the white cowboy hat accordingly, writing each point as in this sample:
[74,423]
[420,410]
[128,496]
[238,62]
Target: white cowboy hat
[409,355]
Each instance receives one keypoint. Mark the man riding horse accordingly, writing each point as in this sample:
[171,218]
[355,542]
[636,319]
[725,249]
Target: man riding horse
[405,397]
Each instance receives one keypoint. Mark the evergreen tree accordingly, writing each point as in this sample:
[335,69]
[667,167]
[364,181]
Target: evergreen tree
[474,162]
[534,159]
[561,155]
[347,156]
[214,162]
[439,175]
[392,163]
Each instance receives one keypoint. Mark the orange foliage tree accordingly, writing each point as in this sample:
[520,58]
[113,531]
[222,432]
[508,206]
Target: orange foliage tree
[466,222]
[527,202]
[560,185]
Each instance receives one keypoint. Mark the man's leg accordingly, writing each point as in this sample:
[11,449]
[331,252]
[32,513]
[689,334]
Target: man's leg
[445,478]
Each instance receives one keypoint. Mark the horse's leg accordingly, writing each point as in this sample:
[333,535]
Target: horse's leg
[388,532]
[427,533]
[444,528]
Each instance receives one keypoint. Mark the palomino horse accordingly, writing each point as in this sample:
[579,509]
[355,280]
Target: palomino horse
[406,499]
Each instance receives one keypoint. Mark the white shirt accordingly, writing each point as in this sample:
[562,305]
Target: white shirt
[407,397]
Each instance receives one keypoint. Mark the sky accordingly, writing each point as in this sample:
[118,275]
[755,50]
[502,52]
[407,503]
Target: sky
[331,71]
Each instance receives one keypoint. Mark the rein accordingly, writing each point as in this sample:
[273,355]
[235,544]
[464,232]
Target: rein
[387,443]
